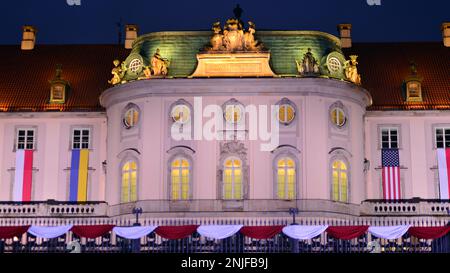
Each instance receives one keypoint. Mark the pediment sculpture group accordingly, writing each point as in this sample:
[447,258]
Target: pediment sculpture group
[233,37]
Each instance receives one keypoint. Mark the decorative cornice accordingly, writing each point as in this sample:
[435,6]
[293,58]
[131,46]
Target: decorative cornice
[252,87]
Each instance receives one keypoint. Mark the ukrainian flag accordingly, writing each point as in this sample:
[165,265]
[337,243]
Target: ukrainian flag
[79,175]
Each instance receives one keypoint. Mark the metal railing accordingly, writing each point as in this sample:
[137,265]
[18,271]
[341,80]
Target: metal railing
[238,243]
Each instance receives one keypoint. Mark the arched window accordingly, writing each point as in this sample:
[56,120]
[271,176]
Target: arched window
[286,111]
[131,116]
[180,175]
[339,181]
[181,113]
[286,178]
[129,181]
[338,116]
[232,179]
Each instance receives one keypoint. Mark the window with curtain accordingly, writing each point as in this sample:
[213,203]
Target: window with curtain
[340,181]
[180,169]
[129,181]
[232,179]
[286,178]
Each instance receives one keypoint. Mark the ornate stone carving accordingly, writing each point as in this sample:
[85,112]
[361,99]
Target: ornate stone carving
[351,71]
[233,38]
[118,72]
[159,65]
[233,148]
[309,65]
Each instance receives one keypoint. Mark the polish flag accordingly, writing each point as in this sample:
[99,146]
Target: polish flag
[443,155]
[23,176]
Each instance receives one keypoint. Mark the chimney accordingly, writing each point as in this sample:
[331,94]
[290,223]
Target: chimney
[345,31]
[28,38]
[130,35]
[446,33]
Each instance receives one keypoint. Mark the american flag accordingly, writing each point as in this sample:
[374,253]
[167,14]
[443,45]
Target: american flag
[391,174]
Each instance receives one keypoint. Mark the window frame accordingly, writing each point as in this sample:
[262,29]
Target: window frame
[235,104]
[232,158]
[180,168]
[25,142]
[389,141]
[129,107]
[276,166]
[286,102]
[445,141]
[81,129]
[122,165]
[339,182]
[177,105]
[339,106]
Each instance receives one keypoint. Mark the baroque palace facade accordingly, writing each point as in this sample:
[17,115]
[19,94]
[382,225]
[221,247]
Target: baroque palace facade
[360,127]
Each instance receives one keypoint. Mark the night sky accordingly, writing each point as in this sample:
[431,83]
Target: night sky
[95,21]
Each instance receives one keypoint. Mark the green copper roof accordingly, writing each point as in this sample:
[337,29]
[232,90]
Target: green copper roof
[285,47]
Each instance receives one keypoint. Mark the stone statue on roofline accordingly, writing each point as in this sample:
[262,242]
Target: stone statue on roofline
[159,65]
[351,71]
[217,38]
[118,73]
[249,38]
[309,65]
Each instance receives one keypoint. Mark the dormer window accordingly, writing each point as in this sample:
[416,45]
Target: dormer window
[57,93]
[413,85]
[58,87]
[413,91]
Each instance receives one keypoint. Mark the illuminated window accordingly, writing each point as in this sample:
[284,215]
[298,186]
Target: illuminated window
[339,181]
[286,114]
[131,117]
[180,179]
[233,113]
[232,179]
[338,116]
[181,113]
[414,91]
[129,182]
[286,177]
[442,136]
[80,138]
[25,139]
[57,93]
[389,138]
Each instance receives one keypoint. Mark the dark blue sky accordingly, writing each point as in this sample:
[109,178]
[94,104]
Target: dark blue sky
[95,20]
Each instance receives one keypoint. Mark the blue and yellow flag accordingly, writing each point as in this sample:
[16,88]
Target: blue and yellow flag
[79,175]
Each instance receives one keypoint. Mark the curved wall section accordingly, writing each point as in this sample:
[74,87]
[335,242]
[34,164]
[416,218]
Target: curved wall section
[312,139]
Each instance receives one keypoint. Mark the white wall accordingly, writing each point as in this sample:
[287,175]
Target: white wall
[417,150]
[53,154]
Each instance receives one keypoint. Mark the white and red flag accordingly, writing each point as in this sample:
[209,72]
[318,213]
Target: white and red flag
[391,174]
[23,176]
[443,155]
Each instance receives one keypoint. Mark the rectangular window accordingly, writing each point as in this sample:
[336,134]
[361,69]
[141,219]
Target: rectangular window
[81,138]
[389,138]
[25,139]
[442,136]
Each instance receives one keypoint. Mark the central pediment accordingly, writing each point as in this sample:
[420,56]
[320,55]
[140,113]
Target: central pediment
[233,52]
